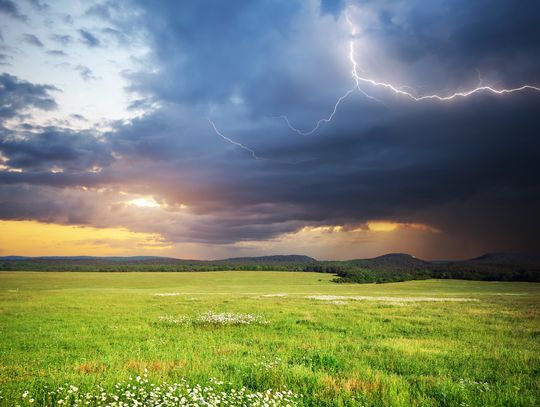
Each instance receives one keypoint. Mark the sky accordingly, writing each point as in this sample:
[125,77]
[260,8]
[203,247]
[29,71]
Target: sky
[211,129]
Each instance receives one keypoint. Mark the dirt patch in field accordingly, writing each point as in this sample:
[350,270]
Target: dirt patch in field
[395,300]
[166,294]
[90,367]
[333,385]
[274,295]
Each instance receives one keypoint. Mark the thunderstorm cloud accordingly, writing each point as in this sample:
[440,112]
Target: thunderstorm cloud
[468,168]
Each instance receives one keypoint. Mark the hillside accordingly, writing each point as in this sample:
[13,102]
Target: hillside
[386,268]
[153,263]
[393,262]
[507,258]
[290,258]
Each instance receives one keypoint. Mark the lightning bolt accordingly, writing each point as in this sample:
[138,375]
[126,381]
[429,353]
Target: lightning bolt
[405,91]
[236,143]
[252,152]
[398,90]
[322,122]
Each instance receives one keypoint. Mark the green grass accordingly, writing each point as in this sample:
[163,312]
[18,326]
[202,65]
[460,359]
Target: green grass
[100,328]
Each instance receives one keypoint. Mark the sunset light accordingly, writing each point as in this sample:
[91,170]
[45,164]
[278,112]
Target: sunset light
[288,203]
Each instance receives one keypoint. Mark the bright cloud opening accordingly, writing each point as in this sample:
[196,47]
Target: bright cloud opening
[144,203]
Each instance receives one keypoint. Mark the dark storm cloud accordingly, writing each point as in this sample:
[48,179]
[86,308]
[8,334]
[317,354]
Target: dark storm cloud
[468,167]
[462,37]
[89,39]
[48,147]
[39,148]
[217,46]
[32,40]
[372,162]
[61,180]
[44,203]
[17,96]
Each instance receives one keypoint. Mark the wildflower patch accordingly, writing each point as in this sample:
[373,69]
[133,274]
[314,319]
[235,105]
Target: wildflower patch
[268,364]
[229,318]
[139,391]
[213,318]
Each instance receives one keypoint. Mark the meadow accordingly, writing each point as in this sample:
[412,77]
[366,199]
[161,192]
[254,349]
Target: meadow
[284,337]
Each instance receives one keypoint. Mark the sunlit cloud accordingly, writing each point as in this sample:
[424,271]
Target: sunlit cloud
[144,203]
[345,242]
[384,226]
[125,143]
[47,239]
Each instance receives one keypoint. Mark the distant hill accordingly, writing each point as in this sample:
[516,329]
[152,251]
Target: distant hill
[387,268]
[14,258]
[395,267]
[392,262]
[289,258]
[153,263]
[397,260]
[507,258]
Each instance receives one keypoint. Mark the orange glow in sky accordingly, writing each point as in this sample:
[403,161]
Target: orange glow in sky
[31,238]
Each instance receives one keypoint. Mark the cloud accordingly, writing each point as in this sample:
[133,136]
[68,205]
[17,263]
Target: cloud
[120,37]
[63,39]
[334,7]
[225,46]
[5,59]
[47,147]
[140,104]
[57,53]
[39,5]
[78,117]
[89,39]
[85,72]
[18,96]
[11,9]
[468,168]
[375,161]
[99,10]
[32,40]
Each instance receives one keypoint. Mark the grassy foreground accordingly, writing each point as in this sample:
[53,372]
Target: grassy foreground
[480,348]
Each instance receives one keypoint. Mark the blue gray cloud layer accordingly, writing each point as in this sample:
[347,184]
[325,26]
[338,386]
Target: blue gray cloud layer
[469,167]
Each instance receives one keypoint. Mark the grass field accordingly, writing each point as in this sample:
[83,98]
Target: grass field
[418,343]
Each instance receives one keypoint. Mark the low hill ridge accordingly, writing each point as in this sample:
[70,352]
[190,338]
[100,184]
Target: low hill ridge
[287,258]
[507,258]
[386,268]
